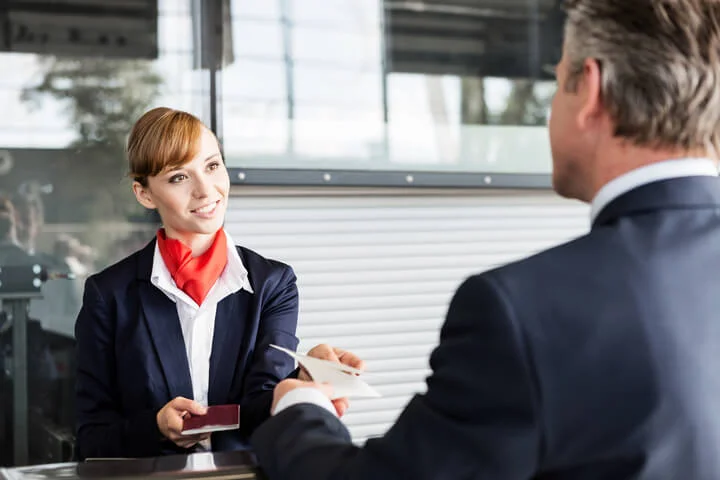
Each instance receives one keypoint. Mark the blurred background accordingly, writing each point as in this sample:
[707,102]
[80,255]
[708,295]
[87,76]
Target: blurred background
[385,149]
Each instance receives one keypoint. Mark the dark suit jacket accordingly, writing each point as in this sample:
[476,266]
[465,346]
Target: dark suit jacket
[597,359]
[131,356]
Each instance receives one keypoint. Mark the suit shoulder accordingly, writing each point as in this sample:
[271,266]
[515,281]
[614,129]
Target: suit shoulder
[550,263]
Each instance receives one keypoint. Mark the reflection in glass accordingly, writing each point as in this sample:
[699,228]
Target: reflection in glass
[463,86]
[347,84]
[68,105]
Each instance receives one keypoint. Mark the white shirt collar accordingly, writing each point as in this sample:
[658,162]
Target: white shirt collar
[232,279]
[686,167]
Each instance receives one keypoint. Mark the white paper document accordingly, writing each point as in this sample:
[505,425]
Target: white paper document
[345,380]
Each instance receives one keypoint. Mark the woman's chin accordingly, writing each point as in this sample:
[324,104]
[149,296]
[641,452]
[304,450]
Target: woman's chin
[207,227]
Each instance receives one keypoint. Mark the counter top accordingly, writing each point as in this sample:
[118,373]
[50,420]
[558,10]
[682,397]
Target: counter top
[218,465]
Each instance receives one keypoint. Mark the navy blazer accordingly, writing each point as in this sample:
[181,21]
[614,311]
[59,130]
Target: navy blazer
[597,359]
[131,355]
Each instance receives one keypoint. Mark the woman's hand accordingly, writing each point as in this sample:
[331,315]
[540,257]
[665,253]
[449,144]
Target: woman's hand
[170,421]
[326,352]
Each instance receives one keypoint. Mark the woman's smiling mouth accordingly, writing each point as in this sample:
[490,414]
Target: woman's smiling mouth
[206,210]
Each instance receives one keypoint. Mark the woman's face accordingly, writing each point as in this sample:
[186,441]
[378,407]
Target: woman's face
[191,199]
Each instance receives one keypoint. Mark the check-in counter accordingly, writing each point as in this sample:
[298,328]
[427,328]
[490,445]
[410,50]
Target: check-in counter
[220,465]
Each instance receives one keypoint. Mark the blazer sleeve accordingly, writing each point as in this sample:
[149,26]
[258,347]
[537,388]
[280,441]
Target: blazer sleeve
[278,323]
[101,429]
[478,418]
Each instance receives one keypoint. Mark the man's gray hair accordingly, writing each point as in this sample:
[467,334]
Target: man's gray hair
[660,64]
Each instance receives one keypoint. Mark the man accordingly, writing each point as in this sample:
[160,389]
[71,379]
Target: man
[596,359]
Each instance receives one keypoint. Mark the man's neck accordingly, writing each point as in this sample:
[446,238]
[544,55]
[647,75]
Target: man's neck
[622,158]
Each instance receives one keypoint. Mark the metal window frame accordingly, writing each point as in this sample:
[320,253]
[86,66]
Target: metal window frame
[394,179]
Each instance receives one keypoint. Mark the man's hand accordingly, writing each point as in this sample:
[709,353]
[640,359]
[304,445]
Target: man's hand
[284,387]
[170,421]
[326,352]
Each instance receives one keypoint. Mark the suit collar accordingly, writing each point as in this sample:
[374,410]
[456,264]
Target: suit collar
[674,193]
[162,320]
[145,260]
[684,167]
[161,317]
[229,340]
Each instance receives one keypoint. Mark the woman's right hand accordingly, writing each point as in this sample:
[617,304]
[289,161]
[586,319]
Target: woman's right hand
[170,421]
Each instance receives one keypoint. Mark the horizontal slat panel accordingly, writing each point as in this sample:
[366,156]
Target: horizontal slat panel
[375,404]
[370,315]
[357,342]
[335,330]
[334,304]
[369,277]
[385,354]
[341,212]
[397,376]
[400,389]
[390,238]
[379,253]
[396,364]
[369,418]
[471,262]
[376,273]
[514,226]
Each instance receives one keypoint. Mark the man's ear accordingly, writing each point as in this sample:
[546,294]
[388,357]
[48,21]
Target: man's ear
[590,90]
[142,196]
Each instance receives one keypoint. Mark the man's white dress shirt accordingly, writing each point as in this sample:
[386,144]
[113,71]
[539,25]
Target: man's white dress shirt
[685,167]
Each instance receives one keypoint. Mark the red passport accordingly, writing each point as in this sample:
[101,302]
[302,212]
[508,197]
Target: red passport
[217,419]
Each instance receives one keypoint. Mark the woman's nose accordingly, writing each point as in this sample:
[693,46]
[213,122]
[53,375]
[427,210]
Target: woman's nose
[201,188]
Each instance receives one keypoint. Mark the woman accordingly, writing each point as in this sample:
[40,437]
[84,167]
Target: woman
[188,320]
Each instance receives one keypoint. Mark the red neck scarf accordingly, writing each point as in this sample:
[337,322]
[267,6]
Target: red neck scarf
[193,275]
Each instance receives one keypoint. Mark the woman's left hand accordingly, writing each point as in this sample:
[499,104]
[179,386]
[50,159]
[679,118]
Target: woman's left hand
[324,351]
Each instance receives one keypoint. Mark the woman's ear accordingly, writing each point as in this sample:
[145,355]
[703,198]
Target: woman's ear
[143,196]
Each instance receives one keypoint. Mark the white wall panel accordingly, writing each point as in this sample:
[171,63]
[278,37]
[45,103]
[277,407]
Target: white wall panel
[376,272]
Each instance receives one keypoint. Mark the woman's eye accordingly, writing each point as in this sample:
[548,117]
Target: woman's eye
[214,165]
[177,178]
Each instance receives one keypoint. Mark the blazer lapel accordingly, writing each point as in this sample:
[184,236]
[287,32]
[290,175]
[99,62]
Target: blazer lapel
[164,325]
[228,339]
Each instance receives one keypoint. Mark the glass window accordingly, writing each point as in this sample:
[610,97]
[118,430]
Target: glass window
[304,84]
[245,40]
[343,50]
[67,110]
[243,9]
[383,85]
